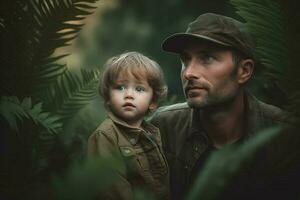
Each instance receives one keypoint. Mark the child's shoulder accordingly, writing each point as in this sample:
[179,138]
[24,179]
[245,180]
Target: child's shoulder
[106,127]
[108,130]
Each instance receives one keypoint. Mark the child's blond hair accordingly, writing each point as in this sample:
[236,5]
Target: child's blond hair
[137,65]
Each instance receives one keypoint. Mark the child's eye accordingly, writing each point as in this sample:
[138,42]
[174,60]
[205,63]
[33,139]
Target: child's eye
[120,87]
[140,89]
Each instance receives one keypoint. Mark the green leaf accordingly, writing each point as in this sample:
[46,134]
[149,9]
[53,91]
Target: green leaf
[70,92]
[32,31]
[26,103]
[264,20]
[12,111]
[87,180]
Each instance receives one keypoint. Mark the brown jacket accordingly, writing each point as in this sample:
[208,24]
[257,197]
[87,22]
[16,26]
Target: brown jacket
[185,141]
[141,152]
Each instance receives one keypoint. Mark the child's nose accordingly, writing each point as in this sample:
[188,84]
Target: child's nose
[129,94]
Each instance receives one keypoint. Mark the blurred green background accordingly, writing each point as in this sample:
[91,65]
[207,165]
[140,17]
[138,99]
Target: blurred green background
[133,25]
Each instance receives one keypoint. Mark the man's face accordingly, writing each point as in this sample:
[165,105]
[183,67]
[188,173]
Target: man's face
[208,75]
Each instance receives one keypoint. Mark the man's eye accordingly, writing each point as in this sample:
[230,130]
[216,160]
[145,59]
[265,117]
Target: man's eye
[140,89]
[208,58]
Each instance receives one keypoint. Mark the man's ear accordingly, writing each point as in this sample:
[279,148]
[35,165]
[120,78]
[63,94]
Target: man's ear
[245,70]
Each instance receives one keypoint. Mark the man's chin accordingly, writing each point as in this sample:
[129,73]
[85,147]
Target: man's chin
[194,103]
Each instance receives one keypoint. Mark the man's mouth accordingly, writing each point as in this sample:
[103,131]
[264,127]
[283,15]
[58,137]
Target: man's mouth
[194,88]
[187,89]
[193,91]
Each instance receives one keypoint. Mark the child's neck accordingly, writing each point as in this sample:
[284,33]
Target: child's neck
[135,123]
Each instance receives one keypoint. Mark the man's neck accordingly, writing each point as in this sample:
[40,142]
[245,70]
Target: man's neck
[224,124]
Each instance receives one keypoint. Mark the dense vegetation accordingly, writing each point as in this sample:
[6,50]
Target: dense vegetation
[49,105]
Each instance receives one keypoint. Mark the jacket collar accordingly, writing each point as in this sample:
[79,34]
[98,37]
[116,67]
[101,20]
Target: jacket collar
[254,120]
[195,127]
[132,131]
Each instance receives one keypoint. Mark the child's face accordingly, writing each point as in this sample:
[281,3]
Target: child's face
[130,99]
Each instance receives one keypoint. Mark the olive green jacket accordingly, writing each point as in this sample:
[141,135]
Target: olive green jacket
[139,150]
[184,140]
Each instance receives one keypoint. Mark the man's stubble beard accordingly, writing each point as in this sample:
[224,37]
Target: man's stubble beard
[217,99]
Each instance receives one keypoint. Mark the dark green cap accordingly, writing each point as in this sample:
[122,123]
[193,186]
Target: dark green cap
[215,28]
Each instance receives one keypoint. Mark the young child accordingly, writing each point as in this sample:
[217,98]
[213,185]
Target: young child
[131,86]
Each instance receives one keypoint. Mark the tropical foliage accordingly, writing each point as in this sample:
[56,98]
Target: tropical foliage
[40,95]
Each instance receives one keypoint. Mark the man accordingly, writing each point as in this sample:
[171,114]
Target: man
[217,56]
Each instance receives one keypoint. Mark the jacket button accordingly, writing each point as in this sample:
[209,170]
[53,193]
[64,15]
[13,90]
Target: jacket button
[132,141]
[195,148]
[127,151]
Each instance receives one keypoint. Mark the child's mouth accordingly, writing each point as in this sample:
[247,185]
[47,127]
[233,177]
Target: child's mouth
[128,105]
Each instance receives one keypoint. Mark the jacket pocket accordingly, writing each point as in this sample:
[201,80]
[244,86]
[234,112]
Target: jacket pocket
[142,159]
[156,161]
[135,159]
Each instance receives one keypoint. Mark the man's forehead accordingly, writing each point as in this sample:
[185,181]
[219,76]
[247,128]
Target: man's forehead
[203,47]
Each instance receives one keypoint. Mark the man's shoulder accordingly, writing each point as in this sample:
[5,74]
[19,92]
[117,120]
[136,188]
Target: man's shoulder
[275,114]
[173,108]
[175,111]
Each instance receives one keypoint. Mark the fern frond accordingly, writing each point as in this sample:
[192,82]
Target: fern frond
[276,30]
[70,92]
[48,73]
[51,17]
[57,17]
[30,32]
[81,96]
[13,110]
[47,120]
[264,19]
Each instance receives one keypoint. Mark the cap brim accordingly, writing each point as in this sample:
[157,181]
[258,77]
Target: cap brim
[177,42]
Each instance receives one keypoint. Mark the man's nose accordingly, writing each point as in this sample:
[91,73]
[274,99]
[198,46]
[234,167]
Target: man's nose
[191,71]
